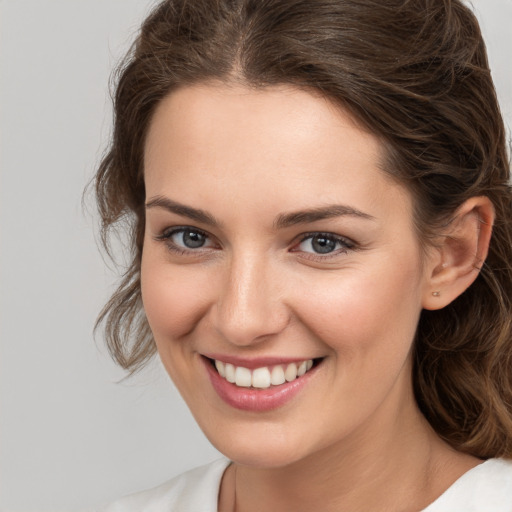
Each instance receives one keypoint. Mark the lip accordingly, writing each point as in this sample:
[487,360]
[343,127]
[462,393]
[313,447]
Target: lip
[257,400]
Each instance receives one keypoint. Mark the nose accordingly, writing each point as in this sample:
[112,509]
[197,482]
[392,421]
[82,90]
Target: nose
[250,307]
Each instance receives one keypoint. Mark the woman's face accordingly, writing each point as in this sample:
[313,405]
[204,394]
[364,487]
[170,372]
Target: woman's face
[272,241]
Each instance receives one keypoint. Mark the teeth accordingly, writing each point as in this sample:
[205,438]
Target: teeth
[243,377]
[291,372]
[262,378]
[221,368]
[277,376]
[230,373]
[301,370]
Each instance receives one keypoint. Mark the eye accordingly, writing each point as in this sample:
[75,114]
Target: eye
[323,243]
[189,238]
[184,239]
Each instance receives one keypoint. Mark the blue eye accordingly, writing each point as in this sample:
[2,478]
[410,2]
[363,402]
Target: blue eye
[323,243]
[190,239]
[187,239]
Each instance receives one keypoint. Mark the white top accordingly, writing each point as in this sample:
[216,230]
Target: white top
[485,488]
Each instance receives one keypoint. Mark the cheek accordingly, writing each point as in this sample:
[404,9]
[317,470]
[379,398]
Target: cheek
[174,299]
[372,309]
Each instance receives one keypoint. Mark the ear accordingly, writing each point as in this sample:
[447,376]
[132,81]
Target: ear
[455,263]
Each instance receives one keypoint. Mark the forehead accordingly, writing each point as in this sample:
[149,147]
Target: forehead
[223,113]
[276,146]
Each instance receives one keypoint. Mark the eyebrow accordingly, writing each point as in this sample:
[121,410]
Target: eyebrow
[180,209]
[283,220]
[315,214]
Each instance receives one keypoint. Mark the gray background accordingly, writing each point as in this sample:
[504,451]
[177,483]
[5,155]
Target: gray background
[71,436]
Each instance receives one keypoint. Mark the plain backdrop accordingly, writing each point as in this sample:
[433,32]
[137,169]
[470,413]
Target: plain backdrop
[71,435]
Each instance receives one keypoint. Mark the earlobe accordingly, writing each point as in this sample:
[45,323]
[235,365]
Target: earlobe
[456,262]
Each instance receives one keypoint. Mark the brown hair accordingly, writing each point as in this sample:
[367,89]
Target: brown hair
[413,72]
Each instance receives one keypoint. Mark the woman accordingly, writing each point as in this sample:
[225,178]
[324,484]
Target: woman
[321,223]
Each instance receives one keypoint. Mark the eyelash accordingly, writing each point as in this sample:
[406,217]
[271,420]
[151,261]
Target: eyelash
[345,243]
[167,235]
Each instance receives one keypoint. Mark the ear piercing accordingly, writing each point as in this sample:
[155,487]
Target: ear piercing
[436,294]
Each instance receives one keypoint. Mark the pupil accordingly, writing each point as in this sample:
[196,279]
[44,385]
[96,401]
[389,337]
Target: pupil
[323,245]
[193,240]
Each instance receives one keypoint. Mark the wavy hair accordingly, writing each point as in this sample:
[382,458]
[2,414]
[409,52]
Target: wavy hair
[412,72]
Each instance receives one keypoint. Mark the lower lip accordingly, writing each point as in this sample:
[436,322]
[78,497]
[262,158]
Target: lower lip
[256,400]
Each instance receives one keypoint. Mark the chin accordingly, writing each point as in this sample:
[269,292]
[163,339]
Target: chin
[263,449]
[258,457]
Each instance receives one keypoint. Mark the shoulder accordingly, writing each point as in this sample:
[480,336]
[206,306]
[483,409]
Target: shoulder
[194,491]
[486,487]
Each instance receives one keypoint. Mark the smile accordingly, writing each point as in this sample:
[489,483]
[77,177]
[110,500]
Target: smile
[260,385]
[264,387]
[264,377]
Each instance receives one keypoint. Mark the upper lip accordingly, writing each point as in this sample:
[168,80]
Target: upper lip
[256,362]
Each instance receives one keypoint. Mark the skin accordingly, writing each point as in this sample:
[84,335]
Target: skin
[353,439]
